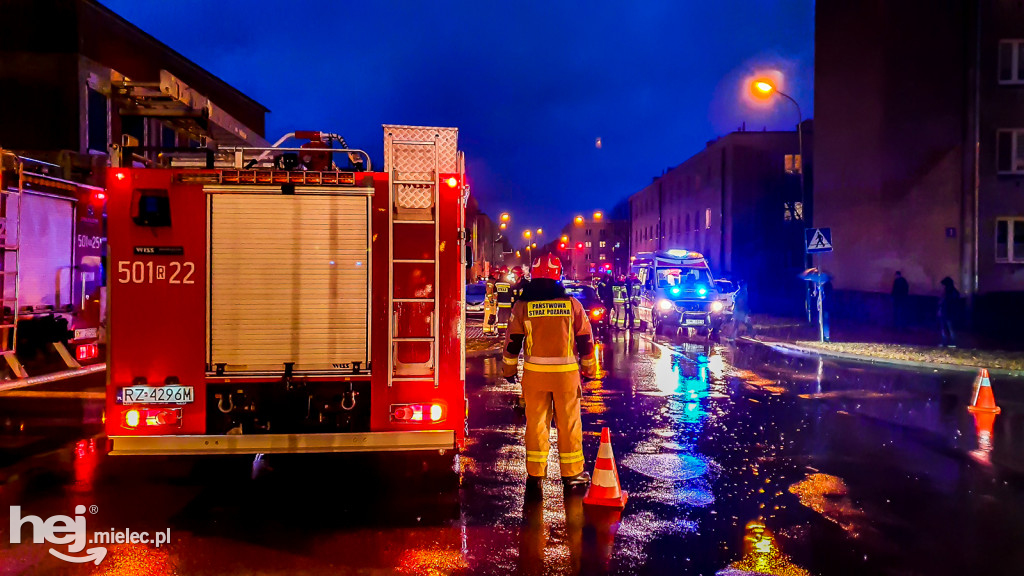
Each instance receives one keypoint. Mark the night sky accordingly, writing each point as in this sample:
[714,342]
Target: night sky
[530,85]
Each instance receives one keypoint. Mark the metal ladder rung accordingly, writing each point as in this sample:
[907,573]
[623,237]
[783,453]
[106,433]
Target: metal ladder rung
[413,221]
[410,339]
[413,379]
[3,326]
[413,261]
[8,246]
[413,300]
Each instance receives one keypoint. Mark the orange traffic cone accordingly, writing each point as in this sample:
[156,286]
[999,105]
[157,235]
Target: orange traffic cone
[982,400]
[605,489]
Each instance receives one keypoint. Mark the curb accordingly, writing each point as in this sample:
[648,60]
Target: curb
[803,351]
[490,352]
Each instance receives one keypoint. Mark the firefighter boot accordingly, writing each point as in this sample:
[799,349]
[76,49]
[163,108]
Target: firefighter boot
[534,488]
[577,483]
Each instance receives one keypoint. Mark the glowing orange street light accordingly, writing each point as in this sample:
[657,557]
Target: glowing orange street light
[763,87]
[527,234]
[518,255]
[579,220]
[505,216]
[598,215]
[503,226]
[534,245]
[565,238]
[540,231]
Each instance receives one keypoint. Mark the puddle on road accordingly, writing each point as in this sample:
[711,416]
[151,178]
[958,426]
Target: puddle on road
[829,496]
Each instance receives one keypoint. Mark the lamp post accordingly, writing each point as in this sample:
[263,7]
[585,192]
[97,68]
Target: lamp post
[765,88]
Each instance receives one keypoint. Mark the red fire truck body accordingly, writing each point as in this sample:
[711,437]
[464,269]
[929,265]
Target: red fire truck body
[271,308]
[51,247]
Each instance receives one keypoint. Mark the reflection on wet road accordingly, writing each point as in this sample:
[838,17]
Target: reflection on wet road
[737,461]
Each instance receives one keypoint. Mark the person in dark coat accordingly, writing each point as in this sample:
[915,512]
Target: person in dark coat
[900,294]
[949,304]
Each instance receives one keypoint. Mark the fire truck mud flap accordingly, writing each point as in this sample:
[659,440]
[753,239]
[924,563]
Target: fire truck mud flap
[282,443]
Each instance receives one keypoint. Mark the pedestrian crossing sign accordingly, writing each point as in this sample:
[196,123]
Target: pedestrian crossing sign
[818,240]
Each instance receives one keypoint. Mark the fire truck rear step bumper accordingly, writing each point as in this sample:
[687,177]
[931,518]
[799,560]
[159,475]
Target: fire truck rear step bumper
[282,443]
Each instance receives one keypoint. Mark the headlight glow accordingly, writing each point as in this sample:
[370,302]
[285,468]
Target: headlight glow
[665,305]
[716,306]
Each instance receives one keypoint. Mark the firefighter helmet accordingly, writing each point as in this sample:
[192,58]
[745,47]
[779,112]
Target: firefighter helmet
[547,266]
[518,271]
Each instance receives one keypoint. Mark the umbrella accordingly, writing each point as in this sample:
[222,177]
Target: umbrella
[815,275]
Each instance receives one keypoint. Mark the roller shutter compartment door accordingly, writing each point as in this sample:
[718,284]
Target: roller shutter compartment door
[288,281]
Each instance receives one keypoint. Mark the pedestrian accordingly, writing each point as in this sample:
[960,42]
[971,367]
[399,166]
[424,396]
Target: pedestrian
[949,304]
[632,300]
[741,310]
[900,294]
[558,330]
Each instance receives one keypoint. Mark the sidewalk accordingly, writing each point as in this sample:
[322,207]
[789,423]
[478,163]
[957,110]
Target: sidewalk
[478,344]
[913,347]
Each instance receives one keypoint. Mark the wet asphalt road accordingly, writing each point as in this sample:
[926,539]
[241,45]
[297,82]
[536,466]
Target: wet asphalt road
[735,459]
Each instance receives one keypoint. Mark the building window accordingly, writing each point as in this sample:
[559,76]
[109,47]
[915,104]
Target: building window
[588,231]
[604,233]
[588,244]
[1010,240]
[1010,151]
[601,256]
[1011,61]
[602,244]
[707,219]
[793,163]
[97,121]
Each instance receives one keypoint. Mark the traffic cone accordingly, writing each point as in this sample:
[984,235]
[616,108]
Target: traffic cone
[605,489]
[982,399]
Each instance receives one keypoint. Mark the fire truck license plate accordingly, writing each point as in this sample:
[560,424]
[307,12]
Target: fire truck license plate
[156,395]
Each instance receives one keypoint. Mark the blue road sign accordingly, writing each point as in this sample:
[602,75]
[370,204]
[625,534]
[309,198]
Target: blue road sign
[818,240]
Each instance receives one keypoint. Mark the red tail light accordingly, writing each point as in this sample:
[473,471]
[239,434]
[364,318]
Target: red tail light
[416,413]
[87,351]
[452,182]
[597,313]
[135,417]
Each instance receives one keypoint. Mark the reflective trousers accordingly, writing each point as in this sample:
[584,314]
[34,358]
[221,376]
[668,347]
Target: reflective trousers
[543,392]
[504,313]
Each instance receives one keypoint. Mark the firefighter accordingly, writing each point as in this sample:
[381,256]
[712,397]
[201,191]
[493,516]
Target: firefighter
[550,328]
[519,283]
[491,303]
[503,291]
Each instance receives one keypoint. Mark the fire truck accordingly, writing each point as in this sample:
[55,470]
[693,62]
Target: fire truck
[52,243]
[289,299]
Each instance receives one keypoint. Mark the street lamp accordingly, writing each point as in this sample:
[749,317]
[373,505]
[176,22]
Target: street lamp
[503,226]
[598,215]
[505,217]
[764,88]
[579,220]
[540,231]
[565,238]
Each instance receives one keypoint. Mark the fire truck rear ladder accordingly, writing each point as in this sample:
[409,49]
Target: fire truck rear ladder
[414,202]
[10,260]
